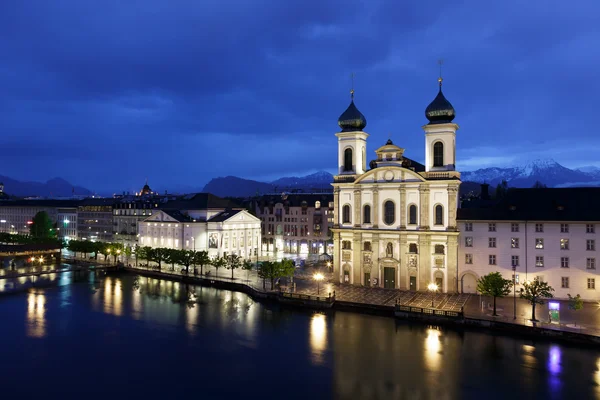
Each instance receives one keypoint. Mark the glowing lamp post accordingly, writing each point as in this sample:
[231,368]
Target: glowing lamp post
[328,265]
[432,287]
[318,277]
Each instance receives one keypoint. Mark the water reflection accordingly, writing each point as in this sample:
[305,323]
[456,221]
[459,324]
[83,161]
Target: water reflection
[433,346]
[36,323]
[113,293]
[318,338]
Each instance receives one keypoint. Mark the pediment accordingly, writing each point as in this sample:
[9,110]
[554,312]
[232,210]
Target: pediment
[406,174]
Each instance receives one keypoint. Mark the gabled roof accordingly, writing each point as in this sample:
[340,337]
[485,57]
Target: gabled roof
[544,204]
[198,201]
[224,216]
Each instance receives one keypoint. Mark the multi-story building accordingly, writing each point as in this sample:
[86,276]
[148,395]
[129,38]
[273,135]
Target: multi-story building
[395,219]
[547,234]
[296,223]
[95,219]
[66,222]
[17,215]
[203,222]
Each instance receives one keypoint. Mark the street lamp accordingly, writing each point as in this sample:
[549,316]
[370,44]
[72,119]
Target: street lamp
[432,287]
[318,277]
[328,265]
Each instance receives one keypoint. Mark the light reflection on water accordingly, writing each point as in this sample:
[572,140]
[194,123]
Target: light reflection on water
[342,355]
[36,324]
[318,338]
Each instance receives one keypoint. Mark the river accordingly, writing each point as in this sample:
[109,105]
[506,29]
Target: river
[125,336]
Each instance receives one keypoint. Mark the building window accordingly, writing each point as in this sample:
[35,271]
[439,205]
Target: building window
[564,228]
[468,227]
[539,243]
[412,214]
[412,248]
[590,244]
[468,258]
[590,263]
[492,259]
[346,245]
[564,282]
[591,283]
[389,212]
[514,261]
[514,227]
[389,250]
[439,249]
[346,214]
[348,160]
[468,241]
[438,154]
[439,215]
[539,227]
[564,244]
[367,246]
[539,261]
[367,214]
[491,242]
[514,243]
[564,262]
[492,227]
[589,228]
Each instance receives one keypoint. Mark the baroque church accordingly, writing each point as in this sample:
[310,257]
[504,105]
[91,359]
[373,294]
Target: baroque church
[395,219]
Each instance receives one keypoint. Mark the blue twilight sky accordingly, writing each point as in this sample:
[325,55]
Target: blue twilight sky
[107,93]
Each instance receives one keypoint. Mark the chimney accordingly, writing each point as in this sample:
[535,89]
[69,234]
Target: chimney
[485,192]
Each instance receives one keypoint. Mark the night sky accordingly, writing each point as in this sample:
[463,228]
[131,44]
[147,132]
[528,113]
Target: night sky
[108,93]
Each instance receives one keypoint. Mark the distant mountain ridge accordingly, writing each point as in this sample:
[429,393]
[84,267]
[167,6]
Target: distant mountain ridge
[55,187]
[546,171]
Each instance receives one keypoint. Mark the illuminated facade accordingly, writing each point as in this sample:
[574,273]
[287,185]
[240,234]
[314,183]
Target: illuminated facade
[395,219]
[296,223]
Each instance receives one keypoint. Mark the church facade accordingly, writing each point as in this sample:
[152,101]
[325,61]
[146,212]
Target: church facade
[395,219]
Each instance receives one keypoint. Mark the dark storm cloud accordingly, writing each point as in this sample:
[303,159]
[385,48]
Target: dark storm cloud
[182,91]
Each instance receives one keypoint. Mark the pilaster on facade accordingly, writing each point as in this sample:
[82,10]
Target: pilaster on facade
[404,272]
[356,259]
[452,207]
[424,207]
[357,208]
[424,269]
[375,208]
[451,275]
[336,202]
[403,212]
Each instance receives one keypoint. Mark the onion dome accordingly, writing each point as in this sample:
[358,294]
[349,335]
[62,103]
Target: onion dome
[440,111]
[146,189]
[352,120]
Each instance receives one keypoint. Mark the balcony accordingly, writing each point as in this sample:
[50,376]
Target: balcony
[344,178]
[440,175]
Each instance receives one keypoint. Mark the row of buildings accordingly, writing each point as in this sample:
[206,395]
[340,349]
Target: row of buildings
[295,224]
[398,223]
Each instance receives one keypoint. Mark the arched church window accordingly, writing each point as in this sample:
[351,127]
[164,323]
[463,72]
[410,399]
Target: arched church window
[346,214]
[412,248]
[389,250]
[412,214]
[439,215]
[317,204]
[348,160]
[367,246]
[389,215]
[367,214]
[438,154]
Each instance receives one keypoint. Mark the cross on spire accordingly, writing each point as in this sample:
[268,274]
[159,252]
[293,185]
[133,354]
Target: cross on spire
[352,86]
[440,79]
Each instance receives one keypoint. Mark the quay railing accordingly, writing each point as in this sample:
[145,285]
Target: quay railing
[301,296]
[429,311]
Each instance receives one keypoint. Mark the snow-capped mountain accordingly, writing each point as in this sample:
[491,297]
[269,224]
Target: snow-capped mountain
[546,171]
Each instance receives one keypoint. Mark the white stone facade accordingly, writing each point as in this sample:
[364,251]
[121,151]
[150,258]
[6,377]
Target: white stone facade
[221,235]
[564,254]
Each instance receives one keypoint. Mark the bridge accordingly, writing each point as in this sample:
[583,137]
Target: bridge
[52,269]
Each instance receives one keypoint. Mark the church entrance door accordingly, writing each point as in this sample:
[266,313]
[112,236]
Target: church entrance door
[389,281]
[413,283]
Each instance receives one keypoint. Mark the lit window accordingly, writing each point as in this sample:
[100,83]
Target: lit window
[514,243]
[564,244]
[539,261]
[468,241]
[539,243]
[468,258]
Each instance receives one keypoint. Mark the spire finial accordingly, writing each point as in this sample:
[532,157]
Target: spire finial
[352,87]
[146,181]
[440,79]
